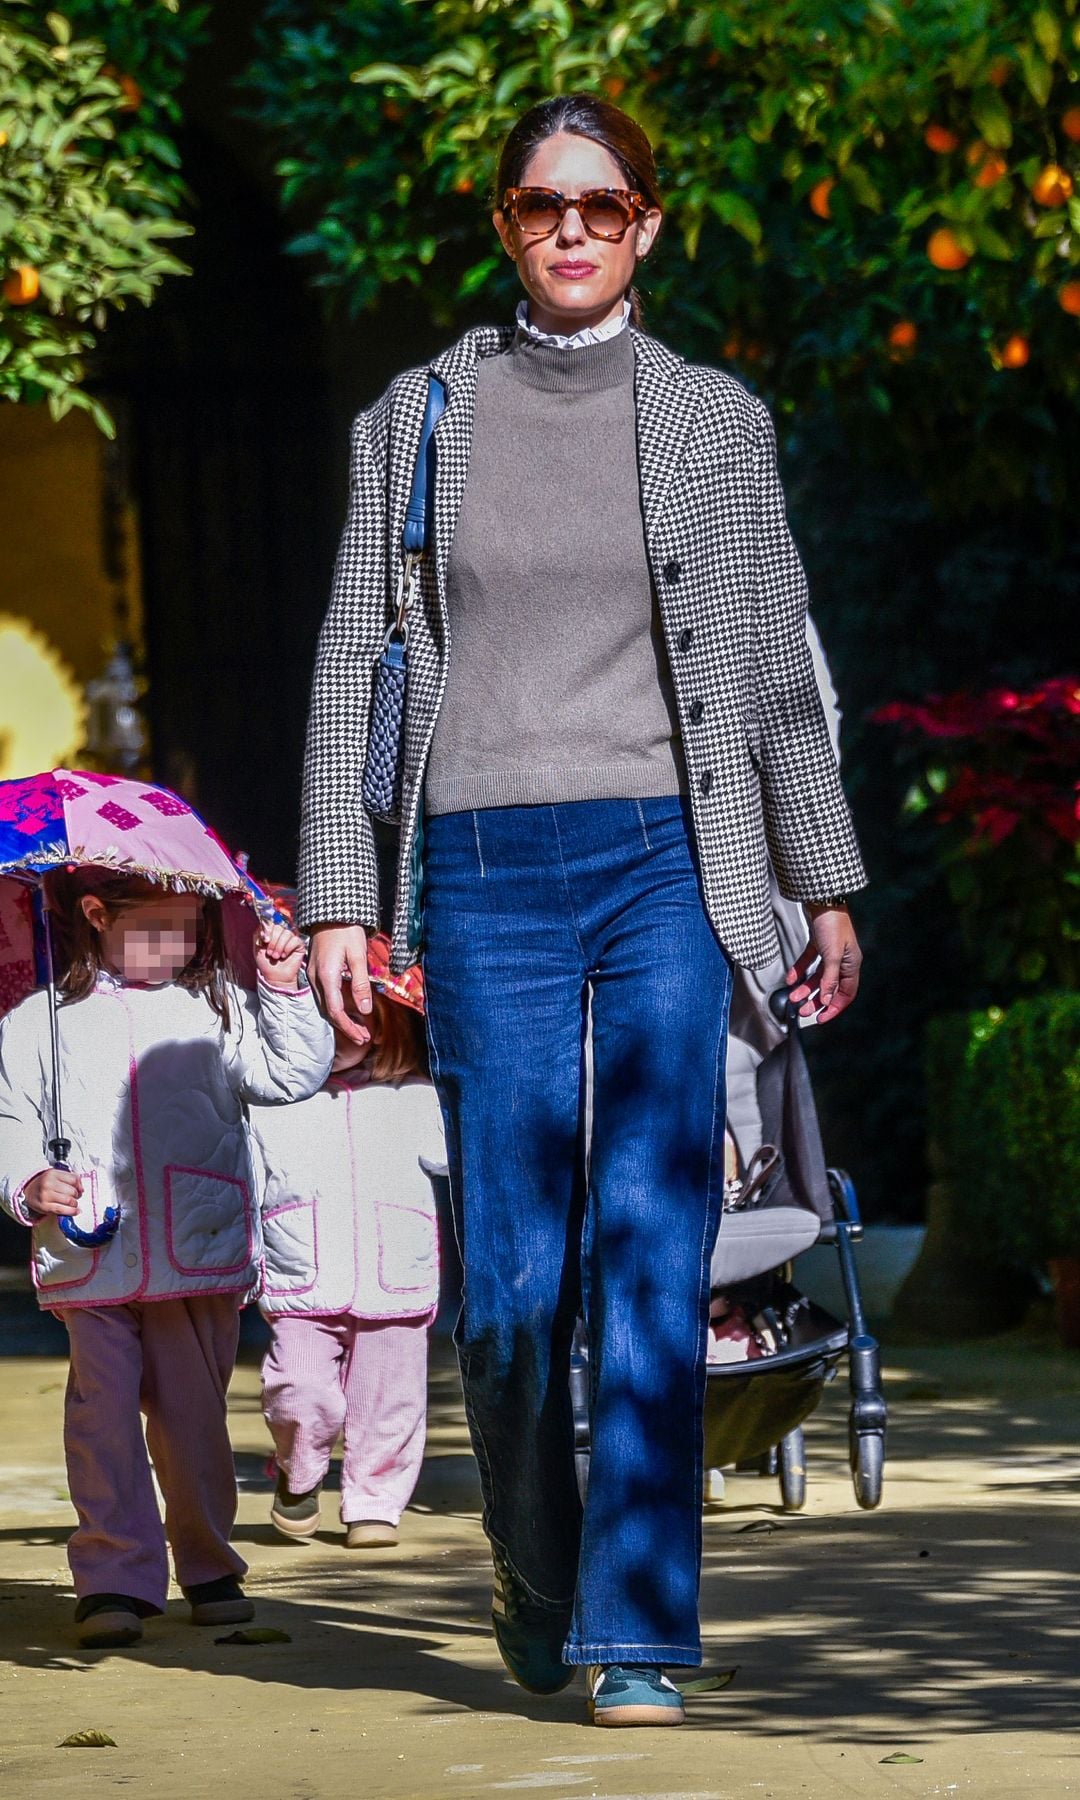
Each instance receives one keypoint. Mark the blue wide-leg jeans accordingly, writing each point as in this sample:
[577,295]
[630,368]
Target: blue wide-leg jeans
[528,911]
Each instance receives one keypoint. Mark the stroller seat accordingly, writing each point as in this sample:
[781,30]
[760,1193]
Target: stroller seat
[750,1243]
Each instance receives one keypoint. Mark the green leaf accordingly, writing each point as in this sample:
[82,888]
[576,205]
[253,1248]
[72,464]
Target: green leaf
[737,212]
[901,1756]
[1047,32]
[59,26]
[991,116]
[87,1740]
[1037,74]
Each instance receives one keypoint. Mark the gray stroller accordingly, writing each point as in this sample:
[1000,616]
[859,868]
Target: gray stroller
[787,1201]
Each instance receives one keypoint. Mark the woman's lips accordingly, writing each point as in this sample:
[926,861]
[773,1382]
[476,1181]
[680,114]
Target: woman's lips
[573,271]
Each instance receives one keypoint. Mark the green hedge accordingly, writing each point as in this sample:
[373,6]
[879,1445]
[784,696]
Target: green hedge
[1004,1106]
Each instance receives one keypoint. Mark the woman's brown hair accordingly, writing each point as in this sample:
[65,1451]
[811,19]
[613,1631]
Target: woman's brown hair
[587,116]
[77,948]
[398,1041]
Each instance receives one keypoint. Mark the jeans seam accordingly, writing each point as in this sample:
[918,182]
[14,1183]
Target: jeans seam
[479,851]
[644,827]
[562,863]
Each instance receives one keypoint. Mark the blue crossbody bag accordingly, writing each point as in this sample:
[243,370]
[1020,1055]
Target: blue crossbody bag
[384,766]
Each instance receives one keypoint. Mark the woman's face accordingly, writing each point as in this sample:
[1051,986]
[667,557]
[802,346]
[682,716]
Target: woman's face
[574,280]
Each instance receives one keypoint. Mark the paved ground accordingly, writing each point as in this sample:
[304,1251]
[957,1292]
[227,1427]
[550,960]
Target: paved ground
[942,1628]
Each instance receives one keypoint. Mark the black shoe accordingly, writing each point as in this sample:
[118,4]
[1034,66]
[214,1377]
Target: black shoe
[220,1602]
[529,1637]
[110,1621]
[295,1515]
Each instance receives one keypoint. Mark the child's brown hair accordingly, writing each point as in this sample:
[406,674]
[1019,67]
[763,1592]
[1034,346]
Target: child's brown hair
[77,947]
[398,1041]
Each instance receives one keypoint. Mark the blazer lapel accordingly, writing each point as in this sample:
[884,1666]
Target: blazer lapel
[667,402]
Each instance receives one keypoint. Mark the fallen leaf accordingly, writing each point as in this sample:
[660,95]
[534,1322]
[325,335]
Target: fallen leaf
[708,1684]
[761,1525]
[87,1740]
[901,1756]
[256,1634]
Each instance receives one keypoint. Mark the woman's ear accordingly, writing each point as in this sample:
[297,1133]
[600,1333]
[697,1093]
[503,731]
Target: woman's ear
[499,220]
[94,912]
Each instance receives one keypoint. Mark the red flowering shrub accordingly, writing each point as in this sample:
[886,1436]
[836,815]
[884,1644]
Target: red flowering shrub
[1003,783]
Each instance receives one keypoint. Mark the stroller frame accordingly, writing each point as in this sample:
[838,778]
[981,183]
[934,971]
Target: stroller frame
[772,1438]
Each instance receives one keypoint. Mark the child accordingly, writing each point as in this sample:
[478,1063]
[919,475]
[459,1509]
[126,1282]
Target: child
[158,1053]
[351,1271]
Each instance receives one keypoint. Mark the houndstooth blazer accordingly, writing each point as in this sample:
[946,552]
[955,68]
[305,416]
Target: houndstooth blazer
[732,594]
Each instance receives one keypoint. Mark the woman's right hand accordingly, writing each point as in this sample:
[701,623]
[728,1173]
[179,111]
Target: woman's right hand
[338,971]
[53,1191]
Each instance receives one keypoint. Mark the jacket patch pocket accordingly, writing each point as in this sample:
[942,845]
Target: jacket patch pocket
[208,1222]
[290,1249]
[57,1262]
[408,1249]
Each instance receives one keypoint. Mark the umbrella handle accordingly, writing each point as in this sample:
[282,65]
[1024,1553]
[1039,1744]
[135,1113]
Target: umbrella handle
[84,1240]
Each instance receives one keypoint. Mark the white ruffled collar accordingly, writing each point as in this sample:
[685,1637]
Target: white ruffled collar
[590,334]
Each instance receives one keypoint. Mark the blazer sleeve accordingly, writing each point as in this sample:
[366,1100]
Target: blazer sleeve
[808,826]
[338,879]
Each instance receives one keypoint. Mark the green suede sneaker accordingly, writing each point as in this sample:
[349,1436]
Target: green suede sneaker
[529,1637]
[633,1694]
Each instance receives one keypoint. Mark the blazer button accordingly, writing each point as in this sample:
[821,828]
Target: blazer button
[705,784]
[685,638]
[672,571]
[697,712]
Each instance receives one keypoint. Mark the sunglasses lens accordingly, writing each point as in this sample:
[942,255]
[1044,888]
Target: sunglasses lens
[605,215]
[537,211]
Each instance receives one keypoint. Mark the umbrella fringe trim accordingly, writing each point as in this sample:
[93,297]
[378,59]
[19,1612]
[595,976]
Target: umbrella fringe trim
[180,881]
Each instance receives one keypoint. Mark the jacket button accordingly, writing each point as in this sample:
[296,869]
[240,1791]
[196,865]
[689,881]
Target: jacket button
[130,1260]
[685,638]
[697,712]
[672,570]
[706,781]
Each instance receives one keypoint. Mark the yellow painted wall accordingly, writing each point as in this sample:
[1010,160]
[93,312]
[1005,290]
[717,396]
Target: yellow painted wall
[53,575]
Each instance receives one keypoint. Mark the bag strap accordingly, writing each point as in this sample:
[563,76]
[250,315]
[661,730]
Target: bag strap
[416,531]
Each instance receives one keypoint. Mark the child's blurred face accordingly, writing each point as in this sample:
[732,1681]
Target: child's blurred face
[348,1054]
[151,941]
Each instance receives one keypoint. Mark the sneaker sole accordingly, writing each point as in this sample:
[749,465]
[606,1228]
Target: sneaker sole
[223,1612]
[110,1631]
[295,1528]
[386,1540]
[637,1715]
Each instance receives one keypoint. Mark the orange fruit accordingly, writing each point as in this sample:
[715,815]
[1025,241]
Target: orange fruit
[132,93]
[22,285]
[904,335]
[1070,123]
[1069,298]
[1052,186]
[1015,352]
[464,184]
[819,198]
[392,111]
[3,139]
[941,140]
[731,347]
[991,170]
[998,72]
[945,250]
[613,86]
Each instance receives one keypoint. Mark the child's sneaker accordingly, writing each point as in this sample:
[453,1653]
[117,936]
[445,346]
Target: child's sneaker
[633,1694]
[371,1534]
[295,1515]
[221,1602]
[109,1621]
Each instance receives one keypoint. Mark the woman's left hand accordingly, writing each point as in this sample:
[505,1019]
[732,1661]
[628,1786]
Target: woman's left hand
[279,956]
[836,982]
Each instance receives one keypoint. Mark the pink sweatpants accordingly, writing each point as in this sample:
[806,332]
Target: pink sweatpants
[172,1360]
[329,1373]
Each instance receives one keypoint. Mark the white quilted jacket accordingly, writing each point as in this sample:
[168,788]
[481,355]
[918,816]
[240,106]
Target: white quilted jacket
[154,1091]
[348,1210]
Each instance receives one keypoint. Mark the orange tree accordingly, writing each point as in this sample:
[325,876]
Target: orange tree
[879,201]
[89,181]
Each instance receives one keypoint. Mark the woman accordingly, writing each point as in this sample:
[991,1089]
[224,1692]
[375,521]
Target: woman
[627,719]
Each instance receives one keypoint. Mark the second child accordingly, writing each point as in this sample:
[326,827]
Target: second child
[351,1270]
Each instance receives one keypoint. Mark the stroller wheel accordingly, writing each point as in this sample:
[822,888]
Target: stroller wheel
[867,1468]
[793,1470]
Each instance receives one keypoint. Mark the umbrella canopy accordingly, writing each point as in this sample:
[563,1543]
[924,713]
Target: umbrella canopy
[69,818]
